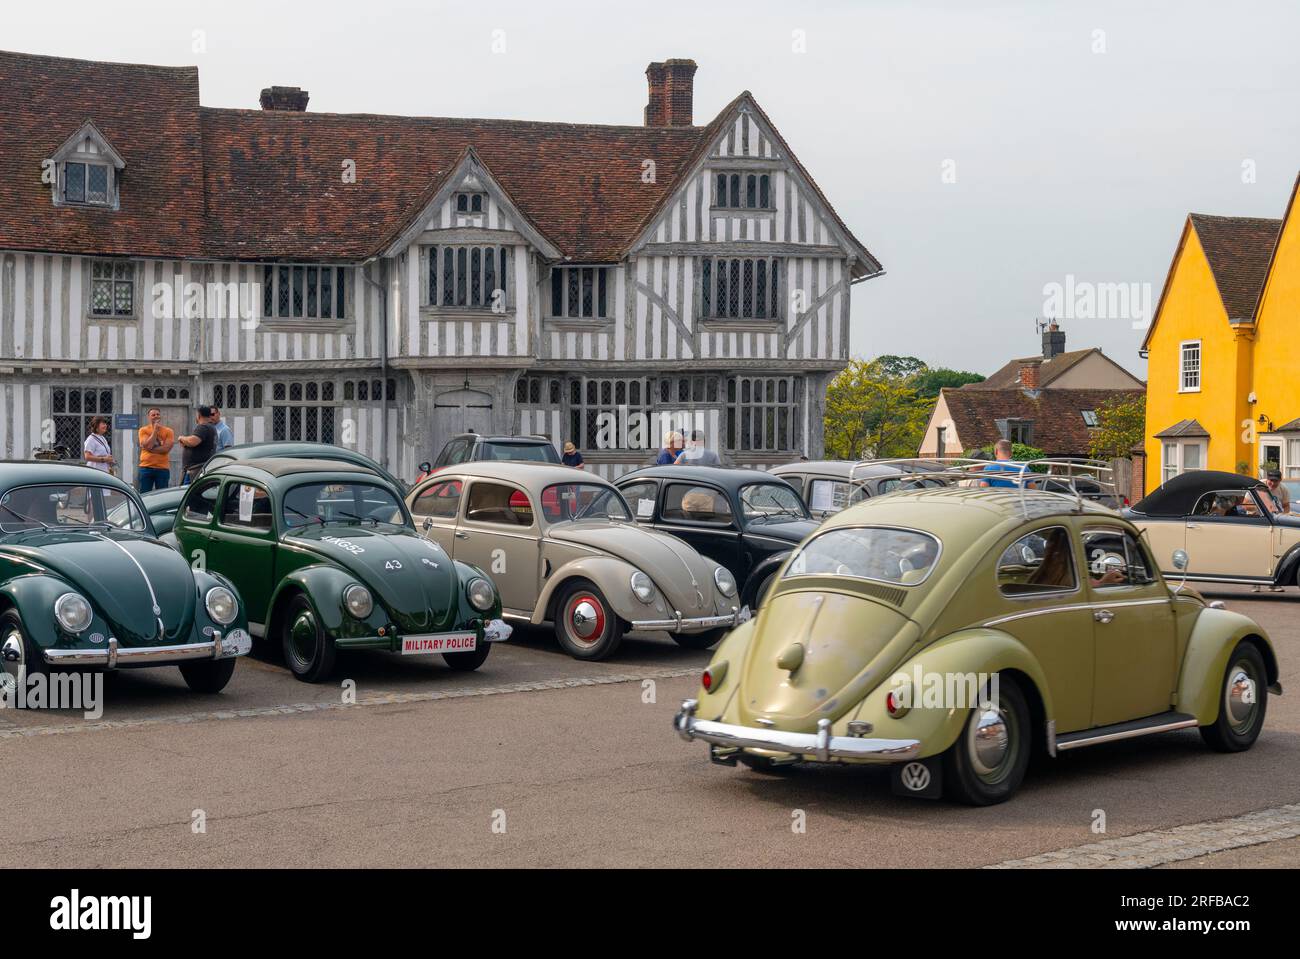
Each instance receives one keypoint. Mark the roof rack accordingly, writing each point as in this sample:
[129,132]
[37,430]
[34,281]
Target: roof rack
[1055,476]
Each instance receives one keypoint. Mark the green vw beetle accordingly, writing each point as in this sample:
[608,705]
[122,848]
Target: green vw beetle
[326,558]
[84,583]
[950,632]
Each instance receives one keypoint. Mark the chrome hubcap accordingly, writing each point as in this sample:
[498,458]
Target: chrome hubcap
[1241,696]
[13,652]
[990,740]
[584,619]
[303,637]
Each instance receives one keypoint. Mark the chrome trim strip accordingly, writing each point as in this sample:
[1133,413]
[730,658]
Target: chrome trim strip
[1127,734]
[821,745]
[680,623]
[1028,614]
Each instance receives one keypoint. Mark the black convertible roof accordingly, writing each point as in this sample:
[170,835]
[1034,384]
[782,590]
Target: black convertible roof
[1178,496]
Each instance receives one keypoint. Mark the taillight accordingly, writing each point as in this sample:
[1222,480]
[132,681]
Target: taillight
[707,680]
[891,705]
[713,676]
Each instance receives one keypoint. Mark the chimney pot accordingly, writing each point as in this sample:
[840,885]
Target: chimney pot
[672,93]
[292,99]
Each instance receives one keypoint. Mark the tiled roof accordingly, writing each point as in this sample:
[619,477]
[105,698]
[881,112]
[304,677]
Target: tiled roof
[1009,375]
[203,182]
[1057,415]
[1183,428]
[1238,248]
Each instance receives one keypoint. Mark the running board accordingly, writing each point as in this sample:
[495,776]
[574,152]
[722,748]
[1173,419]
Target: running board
[1163,723]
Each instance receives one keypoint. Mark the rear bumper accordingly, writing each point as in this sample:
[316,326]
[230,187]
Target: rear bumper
[820,746]
[235,643]
[697,624]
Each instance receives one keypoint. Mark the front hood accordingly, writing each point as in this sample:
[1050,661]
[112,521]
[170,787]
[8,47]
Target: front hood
[123,574]
[412,577]
[682,575]
[848,643]
[793,531]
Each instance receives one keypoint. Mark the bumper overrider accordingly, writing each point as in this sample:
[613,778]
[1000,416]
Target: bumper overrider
[695,624]
[237,642]
[821,745]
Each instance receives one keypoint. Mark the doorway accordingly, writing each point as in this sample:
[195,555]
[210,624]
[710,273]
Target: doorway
[459,411]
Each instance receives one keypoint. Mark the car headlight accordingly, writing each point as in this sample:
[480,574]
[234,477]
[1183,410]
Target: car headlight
[643,587]
[481,594]
[222,605]
[73,612]
[725,582]
[358,600]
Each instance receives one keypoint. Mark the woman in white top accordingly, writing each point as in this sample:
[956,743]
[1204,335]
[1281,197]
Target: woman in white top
[97,451]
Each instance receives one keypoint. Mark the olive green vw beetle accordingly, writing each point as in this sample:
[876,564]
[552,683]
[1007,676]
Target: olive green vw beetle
[325,557]
[948,633]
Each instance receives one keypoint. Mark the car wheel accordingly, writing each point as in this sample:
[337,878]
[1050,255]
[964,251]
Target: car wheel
[1243,700]
[705,640]
[584,623]
[987,762]
[468,662]
[20,655]
[308,651]
[756,598]
[208,675]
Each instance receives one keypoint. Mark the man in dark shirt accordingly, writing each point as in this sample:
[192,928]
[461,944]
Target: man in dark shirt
[199,445]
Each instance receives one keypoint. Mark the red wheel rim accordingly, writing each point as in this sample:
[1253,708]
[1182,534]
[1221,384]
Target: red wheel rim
[584,619]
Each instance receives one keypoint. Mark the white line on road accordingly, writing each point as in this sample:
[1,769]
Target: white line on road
[387,699]
[1161,846]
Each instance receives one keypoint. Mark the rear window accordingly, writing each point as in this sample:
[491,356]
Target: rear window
[534,452]
[902,556]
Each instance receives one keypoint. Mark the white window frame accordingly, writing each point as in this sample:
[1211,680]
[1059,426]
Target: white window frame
[114,276]
[1179,464]
[1184,369]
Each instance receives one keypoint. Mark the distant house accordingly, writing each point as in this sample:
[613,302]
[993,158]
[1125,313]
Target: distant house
[1049,401]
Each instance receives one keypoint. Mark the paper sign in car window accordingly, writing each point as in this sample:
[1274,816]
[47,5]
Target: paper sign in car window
[246,494]
[823,496]
[645,508]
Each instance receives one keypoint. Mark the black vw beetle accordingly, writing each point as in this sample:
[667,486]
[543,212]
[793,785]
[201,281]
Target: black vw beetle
[745,520]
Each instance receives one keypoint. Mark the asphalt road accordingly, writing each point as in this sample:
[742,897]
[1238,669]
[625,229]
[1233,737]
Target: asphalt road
[539,760]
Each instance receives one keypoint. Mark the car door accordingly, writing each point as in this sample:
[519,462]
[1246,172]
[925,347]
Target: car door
[1133,627]
[435,508]
[642,496]
[702,515]
[498,532]
[194,519]
[241,544]
[1234,546]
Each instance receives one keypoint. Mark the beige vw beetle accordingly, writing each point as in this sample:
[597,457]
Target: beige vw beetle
[562,546]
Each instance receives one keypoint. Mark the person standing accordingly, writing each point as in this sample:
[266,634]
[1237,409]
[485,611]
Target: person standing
[97,450]
[225,436]
[1278,491]
[572,457]
[672,448]
[697,453]
[156,441]
[199,445]
[1003,463]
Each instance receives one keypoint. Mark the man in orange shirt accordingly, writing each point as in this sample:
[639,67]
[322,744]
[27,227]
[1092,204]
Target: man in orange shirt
[156,442]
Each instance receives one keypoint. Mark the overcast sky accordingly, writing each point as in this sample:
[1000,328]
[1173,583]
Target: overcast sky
[982,151]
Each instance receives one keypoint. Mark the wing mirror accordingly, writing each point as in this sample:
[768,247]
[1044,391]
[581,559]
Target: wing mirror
[1180,559]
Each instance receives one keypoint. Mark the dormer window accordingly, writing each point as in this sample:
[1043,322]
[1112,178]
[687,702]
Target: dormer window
[89,170]
[471,202]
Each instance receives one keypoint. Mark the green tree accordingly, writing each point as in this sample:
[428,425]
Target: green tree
[1121,425]
[873,409]
[930,382]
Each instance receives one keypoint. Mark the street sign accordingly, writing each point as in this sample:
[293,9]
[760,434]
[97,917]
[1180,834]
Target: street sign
[126,421]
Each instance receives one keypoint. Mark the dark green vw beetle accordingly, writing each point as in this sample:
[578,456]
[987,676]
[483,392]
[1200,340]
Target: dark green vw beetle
[84,583]
[326,558]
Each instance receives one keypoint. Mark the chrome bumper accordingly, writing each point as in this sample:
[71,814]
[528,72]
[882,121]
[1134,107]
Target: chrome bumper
[821,745]
[235,643]
[681,624]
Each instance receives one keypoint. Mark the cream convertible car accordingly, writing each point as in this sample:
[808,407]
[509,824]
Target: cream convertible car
[561,545]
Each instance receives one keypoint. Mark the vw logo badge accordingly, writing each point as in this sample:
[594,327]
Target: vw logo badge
[915,776]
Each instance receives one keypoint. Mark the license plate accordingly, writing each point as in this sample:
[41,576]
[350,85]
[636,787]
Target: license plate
[439,643]
[236,643]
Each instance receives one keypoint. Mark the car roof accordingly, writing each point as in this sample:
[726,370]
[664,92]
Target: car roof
[533,475]
[25,472]
[1178,497]
[491,438]
[290,466]
[842,469]
[731,478]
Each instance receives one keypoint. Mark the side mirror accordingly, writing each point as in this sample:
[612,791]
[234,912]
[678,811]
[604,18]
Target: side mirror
[1180,559]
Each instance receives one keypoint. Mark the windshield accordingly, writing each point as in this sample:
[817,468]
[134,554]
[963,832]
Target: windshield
[323,503]
[535,452]
[902,556]
[62,505]
[766,501]
[573,501]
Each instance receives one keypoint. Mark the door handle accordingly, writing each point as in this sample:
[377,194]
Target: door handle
[1192,526]
[460,535]
[1103,616]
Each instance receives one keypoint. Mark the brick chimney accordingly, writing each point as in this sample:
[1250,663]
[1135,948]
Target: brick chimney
[1029,376]
[293,99]
[672,94]
[1053,341]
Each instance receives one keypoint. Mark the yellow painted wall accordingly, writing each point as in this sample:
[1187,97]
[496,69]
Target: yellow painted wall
[1193,310]
[1277,331]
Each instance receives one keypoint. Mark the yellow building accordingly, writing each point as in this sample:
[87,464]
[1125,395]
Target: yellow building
[1207,372]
